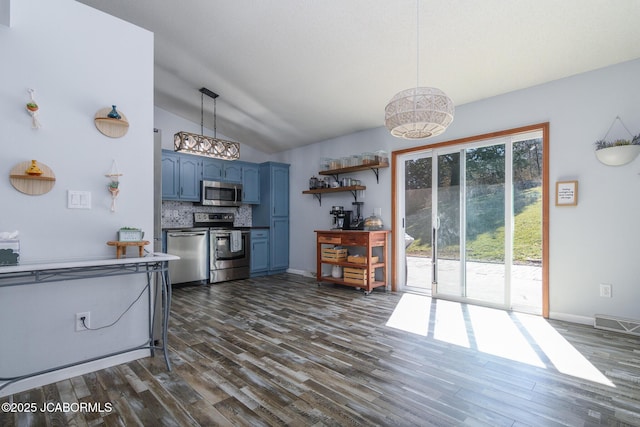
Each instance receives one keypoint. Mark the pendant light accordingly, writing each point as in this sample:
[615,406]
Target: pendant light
[420,112]
[204,145]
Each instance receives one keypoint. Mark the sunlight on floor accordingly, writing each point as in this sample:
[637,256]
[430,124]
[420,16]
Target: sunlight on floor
[520,337]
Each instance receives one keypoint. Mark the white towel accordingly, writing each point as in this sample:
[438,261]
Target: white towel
[236,240]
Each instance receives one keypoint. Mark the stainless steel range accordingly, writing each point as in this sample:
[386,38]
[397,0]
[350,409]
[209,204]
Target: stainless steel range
[229,249]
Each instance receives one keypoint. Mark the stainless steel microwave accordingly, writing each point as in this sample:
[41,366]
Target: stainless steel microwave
[216,193]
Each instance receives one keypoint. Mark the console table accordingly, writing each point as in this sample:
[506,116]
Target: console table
[359,272]
[156,264]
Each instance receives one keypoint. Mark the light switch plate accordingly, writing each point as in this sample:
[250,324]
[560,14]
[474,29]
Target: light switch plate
[78,199]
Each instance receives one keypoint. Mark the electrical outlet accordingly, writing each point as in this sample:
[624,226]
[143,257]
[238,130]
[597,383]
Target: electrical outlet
[605,290]
[80,326]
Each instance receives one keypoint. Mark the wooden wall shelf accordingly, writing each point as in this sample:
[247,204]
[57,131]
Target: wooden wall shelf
[318,192]
[113,128]
[369,166]
[33,185]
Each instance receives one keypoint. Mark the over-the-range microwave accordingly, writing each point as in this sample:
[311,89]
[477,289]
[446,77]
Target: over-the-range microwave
[216,193]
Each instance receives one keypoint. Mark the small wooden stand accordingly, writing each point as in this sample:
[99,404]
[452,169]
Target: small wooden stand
[121,247]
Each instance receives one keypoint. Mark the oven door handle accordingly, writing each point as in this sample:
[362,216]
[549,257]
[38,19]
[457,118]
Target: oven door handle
[186,234]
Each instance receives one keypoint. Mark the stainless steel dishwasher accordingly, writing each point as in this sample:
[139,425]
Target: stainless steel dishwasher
[191,245]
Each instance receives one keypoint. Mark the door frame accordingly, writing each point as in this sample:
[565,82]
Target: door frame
[397,226]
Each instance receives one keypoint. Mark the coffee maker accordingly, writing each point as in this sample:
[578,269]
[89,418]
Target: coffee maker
[338,217]
[341,218]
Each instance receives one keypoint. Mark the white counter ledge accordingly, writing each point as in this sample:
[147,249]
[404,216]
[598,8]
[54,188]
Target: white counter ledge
[85,262]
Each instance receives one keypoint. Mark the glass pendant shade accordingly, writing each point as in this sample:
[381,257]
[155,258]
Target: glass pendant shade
[419,113]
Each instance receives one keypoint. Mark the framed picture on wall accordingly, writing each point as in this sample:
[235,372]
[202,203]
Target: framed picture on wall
[566,193]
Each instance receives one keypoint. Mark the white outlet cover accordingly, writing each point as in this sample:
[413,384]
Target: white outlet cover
[78,199]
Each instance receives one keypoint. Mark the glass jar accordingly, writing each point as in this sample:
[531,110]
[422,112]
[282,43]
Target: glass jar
[335,164]
[324,163]
[381,156]
[313,183]
[368,158]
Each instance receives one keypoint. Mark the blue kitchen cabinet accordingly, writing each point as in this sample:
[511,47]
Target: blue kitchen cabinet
[250,184]
[259,252]
[181,175]
[170,176]
[212,169]
[279,245]
[221,170]
[273,212]
[232,171]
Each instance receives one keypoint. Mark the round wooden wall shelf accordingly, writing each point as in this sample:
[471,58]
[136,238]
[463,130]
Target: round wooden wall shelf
[113,128]
[33,185]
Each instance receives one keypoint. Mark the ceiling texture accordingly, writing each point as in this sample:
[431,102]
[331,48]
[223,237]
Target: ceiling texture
[294,72]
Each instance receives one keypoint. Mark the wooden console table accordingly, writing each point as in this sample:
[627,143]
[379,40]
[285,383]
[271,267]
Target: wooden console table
[357,274]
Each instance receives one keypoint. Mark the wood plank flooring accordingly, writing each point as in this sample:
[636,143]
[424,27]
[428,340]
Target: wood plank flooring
[281,350]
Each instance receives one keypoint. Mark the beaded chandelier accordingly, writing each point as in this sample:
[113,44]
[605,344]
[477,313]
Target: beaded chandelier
[420,112]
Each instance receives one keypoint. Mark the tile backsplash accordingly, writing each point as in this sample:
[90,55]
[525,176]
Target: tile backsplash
[180,214]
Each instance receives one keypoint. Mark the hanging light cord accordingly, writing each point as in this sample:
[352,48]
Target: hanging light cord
[417,43]
[215,126]
[201,113]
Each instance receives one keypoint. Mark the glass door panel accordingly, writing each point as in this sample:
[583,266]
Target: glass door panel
[526,274]
[417,208]
[446,222]
[485,229]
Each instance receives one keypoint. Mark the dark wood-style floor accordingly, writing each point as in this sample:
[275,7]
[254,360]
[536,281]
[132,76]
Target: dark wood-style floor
[283,351]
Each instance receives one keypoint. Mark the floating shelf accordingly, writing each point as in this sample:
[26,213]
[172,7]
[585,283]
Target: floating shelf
[113,128]
[33,177]
[33,185]
[318,192]
[372,166]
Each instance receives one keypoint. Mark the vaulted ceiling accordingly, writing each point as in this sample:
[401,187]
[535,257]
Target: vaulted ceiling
[293,72]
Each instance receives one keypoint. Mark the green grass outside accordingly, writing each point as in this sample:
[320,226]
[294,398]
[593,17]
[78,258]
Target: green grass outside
[488,246]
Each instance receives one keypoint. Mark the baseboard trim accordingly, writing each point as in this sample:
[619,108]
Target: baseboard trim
[304,273]
[74,371]
[584,320]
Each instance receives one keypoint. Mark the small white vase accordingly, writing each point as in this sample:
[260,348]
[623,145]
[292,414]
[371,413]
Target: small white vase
[336,271]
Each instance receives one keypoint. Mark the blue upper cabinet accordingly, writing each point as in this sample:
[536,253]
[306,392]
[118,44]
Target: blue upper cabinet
[190,177]
[250,183]
[221,170]
[181,176]
[280,190]
[170,175]
[212,169]
[232,172]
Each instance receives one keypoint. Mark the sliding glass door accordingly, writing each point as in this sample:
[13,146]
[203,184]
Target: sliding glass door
[473,221]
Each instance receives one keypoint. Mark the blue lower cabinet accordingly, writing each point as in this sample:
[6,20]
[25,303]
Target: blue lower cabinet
[279,245]
[259,252]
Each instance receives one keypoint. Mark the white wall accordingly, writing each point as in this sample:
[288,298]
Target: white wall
[78,60]
[169,124]
[595,242]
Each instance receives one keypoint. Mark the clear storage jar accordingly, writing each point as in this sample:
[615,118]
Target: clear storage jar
[368,158]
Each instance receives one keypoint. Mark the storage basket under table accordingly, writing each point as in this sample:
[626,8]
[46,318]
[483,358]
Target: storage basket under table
[333,254]
[358,276]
